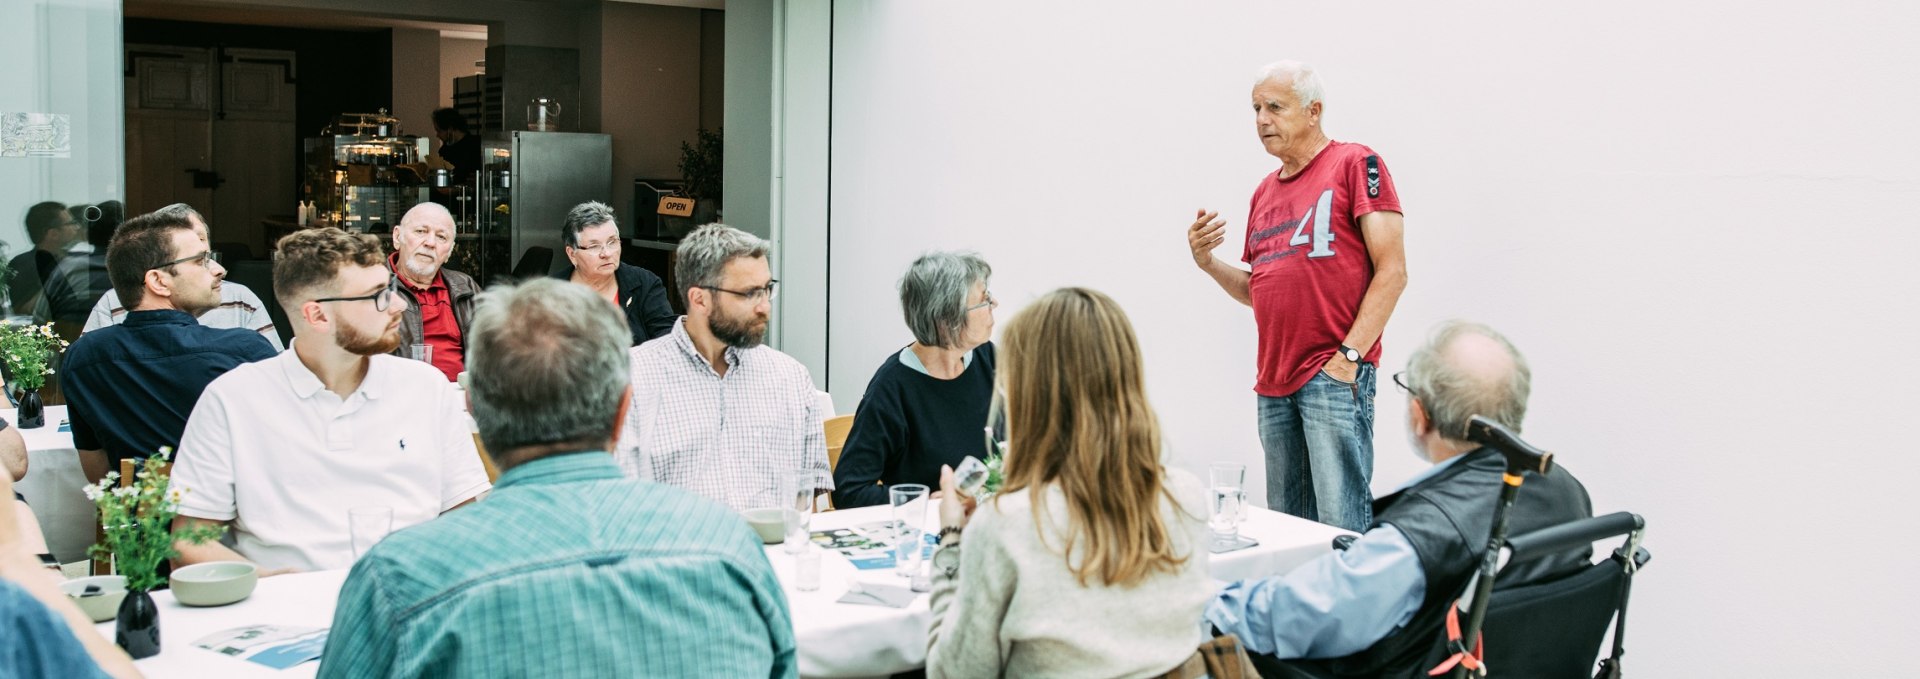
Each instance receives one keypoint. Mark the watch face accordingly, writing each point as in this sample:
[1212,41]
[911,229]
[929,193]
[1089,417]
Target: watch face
[947,557]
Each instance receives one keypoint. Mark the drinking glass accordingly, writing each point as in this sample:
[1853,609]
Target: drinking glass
[1228,482]
[366,526]
[910,511]
[799,511]
[806,569]
[421,352]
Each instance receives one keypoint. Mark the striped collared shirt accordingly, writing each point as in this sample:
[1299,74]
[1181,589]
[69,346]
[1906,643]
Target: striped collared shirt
[738,438]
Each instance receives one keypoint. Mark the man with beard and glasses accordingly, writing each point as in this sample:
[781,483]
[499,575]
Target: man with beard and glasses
[713,410]
[439,300]
[282,449]
[130,386]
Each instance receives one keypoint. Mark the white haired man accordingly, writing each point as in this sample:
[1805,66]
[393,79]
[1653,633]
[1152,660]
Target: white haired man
[1374,609]
[1324,243]
[439,299]
[714,410]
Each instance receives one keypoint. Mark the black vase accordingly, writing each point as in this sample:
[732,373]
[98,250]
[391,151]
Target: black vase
[137,628]
[33,413]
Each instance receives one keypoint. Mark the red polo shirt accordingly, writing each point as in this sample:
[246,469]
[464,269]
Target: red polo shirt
[438,327]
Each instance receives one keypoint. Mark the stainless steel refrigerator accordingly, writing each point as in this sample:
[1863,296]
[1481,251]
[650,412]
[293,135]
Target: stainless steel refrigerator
[528,181]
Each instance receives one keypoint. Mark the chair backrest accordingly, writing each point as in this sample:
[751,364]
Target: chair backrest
[127,465]
[837,429]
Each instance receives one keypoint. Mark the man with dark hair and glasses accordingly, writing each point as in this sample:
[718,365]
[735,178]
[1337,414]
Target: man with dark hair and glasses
[283,449]
[714,410]
[130,386]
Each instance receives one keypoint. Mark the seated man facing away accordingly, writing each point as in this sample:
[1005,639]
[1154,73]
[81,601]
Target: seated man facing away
[567,569]
[130,386]
[282,449]
[1376,609]
[713,410]
[239,307]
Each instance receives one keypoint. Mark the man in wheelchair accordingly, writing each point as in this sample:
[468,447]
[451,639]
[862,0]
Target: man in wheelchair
[1376,608]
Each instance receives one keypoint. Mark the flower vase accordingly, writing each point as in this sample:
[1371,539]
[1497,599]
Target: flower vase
[137,628]
[33,413]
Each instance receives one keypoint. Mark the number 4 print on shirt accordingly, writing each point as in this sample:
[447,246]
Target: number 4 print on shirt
[1322,236]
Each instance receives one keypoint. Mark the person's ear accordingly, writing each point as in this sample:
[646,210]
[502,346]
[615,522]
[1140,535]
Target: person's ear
[1417,417]
[158,284]
[314,314]
[620,415]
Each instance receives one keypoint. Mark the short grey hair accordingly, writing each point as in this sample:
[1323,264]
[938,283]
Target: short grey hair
[1453,394]
[704,254]
[1305,81]
[933,295]
[547,364]
[585,216]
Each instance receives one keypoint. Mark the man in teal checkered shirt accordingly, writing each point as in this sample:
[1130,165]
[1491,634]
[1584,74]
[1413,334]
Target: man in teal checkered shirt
[567,569]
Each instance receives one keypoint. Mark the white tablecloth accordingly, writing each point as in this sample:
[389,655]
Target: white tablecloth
[302,599]
[848,640]
[52,486]
[834,639]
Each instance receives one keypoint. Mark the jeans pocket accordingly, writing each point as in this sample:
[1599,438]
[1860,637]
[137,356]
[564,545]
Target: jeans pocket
[1341,382]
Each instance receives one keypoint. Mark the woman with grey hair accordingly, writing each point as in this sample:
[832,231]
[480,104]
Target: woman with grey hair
[927,402]
[593,255]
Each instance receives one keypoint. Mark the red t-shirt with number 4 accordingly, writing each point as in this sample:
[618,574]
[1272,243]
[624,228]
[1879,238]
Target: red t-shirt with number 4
[1310,263]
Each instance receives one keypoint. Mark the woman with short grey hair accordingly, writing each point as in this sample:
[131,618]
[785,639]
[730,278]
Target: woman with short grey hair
[592,240]
[927,403]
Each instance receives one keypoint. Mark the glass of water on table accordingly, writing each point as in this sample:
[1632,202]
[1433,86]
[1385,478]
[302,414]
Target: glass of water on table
[910,512]
[1227,486]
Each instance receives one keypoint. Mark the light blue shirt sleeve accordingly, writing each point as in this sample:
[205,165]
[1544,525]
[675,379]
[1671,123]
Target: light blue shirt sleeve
[1338,604]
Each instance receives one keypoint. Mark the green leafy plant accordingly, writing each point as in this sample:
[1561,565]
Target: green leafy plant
[700,166]
[138,523]
[28,351]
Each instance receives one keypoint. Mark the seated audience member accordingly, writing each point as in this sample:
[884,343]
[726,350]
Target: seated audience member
[52,230]
[439,300]
[130,386]
[677,585]
[79,280]
[714,411]
[1091,561]
[593,260]
[1376,608]
[239,306]
[46,634]
[281,449]
[928,402]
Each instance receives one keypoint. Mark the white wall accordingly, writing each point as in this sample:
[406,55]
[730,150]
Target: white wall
[456,61]
[1692,218]
[62,57]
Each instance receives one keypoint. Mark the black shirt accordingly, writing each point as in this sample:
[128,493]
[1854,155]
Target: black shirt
[908,424]
[464,156]
[130,386]
[29,273]
[643,298]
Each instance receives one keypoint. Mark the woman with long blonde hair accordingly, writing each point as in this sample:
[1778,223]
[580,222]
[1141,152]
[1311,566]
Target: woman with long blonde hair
[1091,559]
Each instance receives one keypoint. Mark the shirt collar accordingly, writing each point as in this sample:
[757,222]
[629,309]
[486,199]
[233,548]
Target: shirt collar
[586,465]
[1435,470]
[683,340]
[306,384]
[159,317]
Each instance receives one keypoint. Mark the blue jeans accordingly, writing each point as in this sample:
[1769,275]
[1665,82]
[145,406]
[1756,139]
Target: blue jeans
[1319,444]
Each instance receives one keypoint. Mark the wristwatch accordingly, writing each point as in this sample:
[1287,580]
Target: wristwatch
[947,560]
[1351,354]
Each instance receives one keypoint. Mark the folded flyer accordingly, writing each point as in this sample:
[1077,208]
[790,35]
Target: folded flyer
[276,646]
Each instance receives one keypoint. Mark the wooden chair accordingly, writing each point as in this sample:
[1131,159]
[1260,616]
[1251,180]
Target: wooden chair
[837,429]
[486,461]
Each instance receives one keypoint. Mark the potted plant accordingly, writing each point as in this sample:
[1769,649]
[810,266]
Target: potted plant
[137,522]
[700,176]
[28,351]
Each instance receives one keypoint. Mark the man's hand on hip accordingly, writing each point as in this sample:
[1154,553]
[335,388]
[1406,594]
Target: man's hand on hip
[1340,368]
[1205,234]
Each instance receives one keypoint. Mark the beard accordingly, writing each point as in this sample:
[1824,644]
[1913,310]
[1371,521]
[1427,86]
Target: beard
[421,272]
[739,333]
[364,345]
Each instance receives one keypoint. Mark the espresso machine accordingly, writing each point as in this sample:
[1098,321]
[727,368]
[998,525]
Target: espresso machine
[361,172]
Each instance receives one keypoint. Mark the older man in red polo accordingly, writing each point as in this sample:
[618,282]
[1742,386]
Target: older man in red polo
[439,300]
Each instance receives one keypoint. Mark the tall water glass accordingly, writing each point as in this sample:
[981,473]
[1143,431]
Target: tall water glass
[799,511]
[421,352]
[366,526]
[910,510]
[1228,482]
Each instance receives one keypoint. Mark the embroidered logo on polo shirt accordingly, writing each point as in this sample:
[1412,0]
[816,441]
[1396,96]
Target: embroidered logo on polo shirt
[403,444]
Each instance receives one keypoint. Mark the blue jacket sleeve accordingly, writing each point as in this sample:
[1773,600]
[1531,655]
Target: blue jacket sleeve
[1338,604]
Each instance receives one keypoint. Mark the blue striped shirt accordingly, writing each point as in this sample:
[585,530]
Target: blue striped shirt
[567,570]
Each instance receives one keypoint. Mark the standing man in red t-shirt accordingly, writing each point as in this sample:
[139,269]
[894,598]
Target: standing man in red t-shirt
[439,300]
[1324,243]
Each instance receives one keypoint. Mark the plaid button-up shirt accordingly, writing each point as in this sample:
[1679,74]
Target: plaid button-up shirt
[740,438]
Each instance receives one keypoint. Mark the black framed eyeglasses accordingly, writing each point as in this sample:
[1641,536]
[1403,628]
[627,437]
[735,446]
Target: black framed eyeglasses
[755,295]
[201,258]
[1400,380]
[381,299]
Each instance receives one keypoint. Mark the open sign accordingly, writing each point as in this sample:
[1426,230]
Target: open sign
[676,206]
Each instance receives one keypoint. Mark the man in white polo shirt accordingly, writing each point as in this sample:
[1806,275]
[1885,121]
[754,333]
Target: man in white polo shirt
[282,449]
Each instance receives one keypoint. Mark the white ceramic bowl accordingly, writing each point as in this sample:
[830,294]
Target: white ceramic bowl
[104,605]
[770,523]
[215,583]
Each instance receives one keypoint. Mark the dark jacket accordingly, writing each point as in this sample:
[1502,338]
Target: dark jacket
[460,288]
[643,298]
[1448,518]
